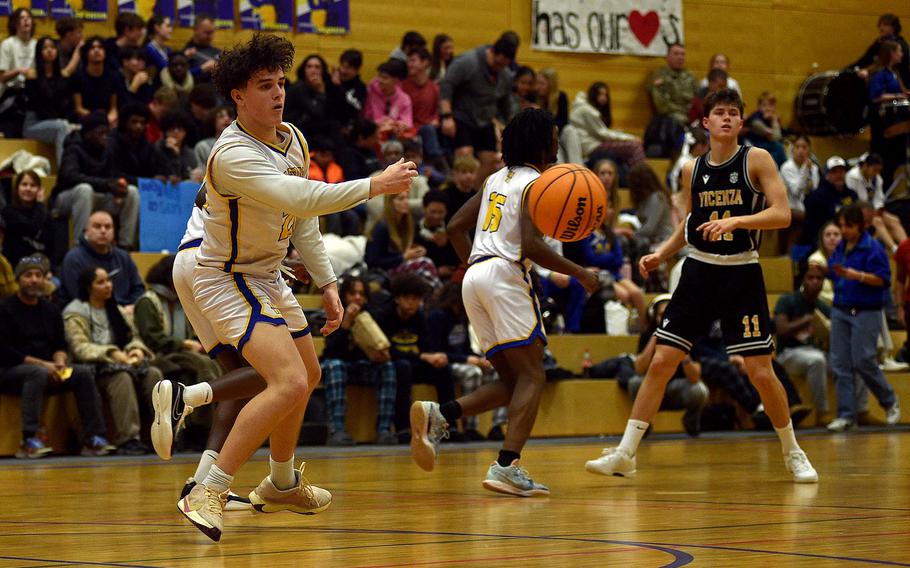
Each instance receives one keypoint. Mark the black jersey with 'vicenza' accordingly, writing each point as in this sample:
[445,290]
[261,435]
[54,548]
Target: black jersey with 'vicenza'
[719,192]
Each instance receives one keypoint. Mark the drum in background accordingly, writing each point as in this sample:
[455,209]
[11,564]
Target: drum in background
[895,117]
[834,102]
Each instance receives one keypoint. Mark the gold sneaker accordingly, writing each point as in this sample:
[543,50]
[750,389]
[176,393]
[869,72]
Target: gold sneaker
[204,508]
[304,499]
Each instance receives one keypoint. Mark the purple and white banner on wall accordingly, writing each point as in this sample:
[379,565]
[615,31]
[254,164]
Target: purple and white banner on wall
[268,15]
[149,8]
[331,17]
[91,10]
[221,10]
[639,27]
[37,7]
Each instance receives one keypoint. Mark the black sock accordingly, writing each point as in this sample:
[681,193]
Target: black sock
[451,411]
[506,457]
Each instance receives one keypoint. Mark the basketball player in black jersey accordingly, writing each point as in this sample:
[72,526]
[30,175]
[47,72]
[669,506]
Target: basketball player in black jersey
[732,193]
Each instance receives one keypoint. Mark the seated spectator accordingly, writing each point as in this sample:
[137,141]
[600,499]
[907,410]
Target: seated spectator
[130,31]
[199,107]
[28,226]
[351,91]
[592,118]
[432,235]
[87,178]
[442,56]
[219,119]
[685,391]
[345,362]
[387,104]
[133,155]
[158,32]
[95,85]
[179,159]
[34,361]
[717,78]
[828,239]
[136,85]
[427,174]
[17,56]
[886,90]
[200,51]
[823,202]
[177,75]
[695,144]
[392,151]
[802,321]
[800,175]
[860,278]
[358,158]
[463,184]
[98,333]
[324,168]
[424,95]
[405,325]
[865,179]
[889,29]
[8,286]
[764,128]
[722,62]
[96,248]
[49,101]
[524,90]
[672,87]
[70,32]
[449,330]
[164,100]
[409,41]
[162,326]
[651,201]
[391,245]
[307,100]
[556,102]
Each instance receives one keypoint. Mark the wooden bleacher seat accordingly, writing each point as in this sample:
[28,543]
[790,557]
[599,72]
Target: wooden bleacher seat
[59,417]
[146,260]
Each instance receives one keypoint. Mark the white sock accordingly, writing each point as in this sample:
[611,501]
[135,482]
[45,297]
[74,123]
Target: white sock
[205,464]
[197,395]
[635,429]
[217,480]
[282,474]
[787,438]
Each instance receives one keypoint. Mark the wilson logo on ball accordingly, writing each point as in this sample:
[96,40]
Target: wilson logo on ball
[567,202]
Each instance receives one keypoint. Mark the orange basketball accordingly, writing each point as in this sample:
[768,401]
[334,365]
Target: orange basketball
[567,202]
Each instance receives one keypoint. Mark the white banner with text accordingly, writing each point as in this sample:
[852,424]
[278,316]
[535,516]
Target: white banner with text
[639,27]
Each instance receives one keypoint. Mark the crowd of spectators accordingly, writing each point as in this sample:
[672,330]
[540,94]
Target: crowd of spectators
[135,106]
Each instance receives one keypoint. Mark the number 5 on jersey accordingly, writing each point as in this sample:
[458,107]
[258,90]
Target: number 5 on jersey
[494,212]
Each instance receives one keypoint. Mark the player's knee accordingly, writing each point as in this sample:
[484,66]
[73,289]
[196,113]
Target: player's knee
[762,377]
[664,363]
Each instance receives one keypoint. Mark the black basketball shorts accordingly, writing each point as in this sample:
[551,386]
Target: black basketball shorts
[733,294]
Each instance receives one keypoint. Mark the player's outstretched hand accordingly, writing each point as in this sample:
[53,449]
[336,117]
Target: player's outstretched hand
[648,263]
[394,179]
[589,280]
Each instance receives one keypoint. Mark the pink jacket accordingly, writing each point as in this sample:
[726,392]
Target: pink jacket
[398,105]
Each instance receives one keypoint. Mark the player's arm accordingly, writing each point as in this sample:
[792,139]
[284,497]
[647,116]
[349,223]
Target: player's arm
[677,240]
[308,241]
[242,171]
[461,224]
[534,247]
[775,216]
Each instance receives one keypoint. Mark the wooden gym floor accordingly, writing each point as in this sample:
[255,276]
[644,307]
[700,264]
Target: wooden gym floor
[721,500]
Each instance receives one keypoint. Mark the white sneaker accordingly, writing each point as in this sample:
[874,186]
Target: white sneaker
[841,425]
[798,464]
[893,414]
[428,428]
[614,461]
[889,365]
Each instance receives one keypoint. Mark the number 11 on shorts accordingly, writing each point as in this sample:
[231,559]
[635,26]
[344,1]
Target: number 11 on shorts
[753,330]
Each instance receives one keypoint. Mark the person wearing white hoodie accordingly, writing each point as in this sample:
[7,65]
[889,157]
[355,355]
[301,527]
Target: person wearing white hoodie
[592,119]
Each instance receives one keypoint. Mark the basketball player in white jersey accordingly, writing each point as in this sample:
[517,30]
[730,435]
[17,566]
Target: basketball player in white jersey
[731,193]
[501,305]
[258,200]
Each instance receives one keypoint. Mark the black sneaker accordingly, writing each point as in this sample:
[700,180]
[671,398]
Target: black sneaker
[691,422]
[132,448]
[170,412]
[496,434]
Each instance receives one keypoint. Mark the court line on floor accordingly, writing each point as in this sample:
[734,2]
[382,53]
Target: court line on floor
[75,562]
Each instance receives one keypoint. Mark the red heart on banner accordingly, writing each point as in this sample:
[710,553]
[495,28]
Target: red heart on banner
[644,26]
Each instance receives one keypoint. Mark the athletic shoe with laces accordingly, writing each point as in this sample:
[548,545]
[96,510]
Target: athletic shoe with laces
[841,425]
[98,446]
[234,502]
[340,438]
[304,499]
[798,464]
[889,365]
[893,414]
[170,412]
[33,448]
[513,480]
[204,508]
[428,428]
[614,461]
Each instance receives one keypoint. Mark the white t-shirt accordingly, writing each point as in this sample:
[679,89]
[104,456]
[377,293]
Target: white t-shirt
[14,54]
[870,191]
[800,180]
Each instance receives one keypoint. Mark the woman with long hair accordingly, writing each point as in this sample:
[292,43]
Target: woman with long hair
[391,244]
[555,101]
[28,226]
[592,117]
[98,332]
[651,201]
[49,98]
[890,115]
[722,62]
[524,90]
[442,55]
[828,239]
[158,32]
[95,84]
[307,100]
